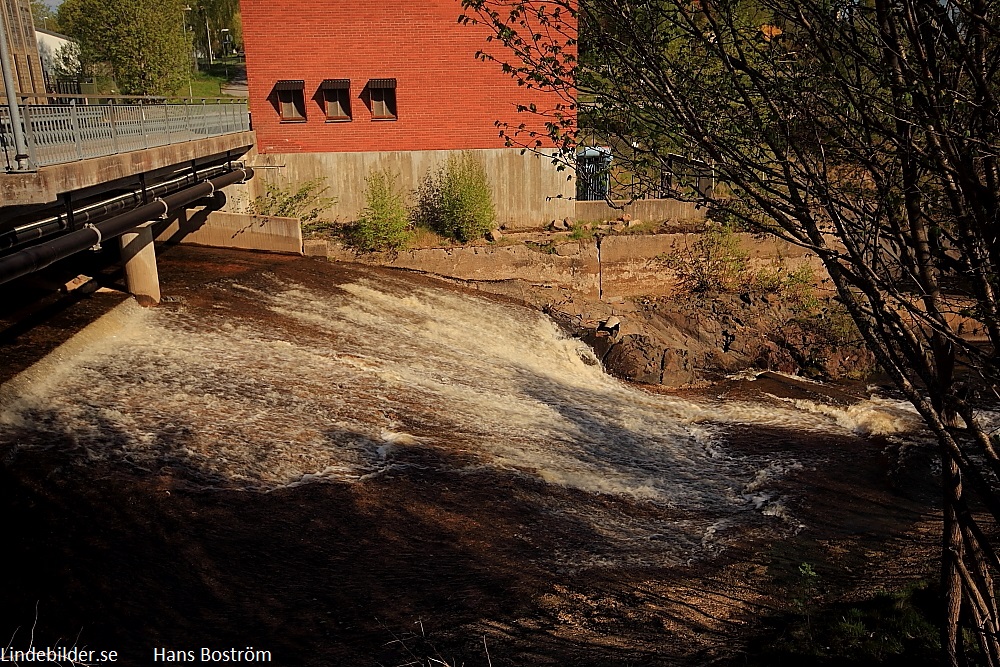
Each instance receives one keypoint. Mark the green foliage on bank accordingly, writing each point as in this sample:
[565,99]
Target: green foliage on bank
[384,224]
[456,201]
[890,628]
[306,203]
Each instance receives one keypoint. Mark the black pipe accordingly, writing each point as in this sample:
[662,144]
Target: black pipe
[97,211]
[45,254]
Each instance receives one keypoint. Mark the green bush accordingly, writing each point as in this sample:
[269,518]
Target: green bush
[306,203]
[384,223]
[714,263]
[456,201]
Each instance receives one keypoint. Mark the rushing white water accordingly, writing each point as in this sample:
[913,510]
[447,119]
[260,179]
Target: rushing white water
[345,383]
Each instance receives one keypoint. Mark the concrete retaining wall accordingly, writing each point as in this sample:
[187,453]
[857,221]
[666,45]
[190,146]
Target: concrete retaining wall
[527,189]
[630,265]
[574,267]
[622,267]
[232,230]
[644,210]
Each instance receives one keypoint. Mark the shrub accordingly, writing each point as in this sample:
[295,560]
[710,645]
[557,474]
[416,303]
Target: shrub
[427,212]
[715,262]
[306,203]
[456,201]
[384,223]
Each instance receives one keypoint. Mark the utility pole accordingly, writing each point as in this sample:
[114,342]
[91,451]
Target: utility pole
[184,26]
[20,145]
[208,40]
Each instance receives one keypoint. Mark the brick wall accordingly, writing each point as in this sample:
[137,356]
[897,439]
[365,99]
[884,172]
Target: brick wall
[446,99]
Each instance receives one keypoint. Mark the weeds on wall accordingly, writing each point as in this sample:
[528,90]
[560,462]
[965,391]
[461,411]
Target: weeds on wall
[717,263]
[714,263]
[456,200]
[384,224]
[306,203]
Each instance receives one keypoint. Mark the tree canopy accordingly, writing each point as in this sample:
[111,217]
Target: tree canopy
[867,131]
[218,14]
[141,43]
[44,17]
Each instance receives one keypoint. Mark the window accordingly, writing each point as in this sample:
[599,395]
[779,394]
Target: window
[337,99]
[383,98]
[291,104]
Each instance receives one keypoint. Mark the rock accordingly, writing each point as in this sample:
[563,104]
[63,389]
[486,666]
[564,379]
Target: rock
[635,358]
[315,248]
[568,223]
[633,223]
[675,368]
[625,217]
[494,235]
[611,325]
[618,227]
[558,226]
[774,358]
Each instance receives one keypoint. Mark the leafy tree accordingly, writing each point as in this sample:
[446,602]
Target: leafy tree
[140,43]
[866,131]
[43,16]
[209,17]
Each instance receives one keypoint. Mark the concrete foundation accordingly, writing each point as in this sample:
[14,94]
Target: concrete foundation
[528,190]
[218,229]
[139,260]
[621,267]
[642,210]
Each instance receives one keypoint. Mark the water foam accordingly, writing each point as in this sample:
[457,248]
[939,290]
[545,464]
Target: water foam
[344,384]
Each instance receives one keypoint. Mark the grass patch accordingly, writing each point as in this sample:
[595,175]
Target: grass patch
[209,79]
[427,238]
[547,248]
[890,628]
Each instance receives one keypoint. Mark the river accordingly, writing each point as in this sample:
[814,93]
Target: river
[277,382]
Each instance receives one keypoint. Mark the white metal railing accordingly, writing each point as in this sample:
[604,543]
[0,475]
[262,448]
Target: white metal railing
[59,133]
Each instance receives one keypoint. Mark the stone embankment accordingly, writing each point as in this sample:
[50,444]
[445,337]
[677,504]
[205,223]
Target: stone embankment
[618,294]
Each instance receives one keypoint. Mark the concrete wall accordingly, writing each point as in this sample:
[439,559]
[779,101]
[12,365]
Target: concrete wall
[644,210]
[527,189]
[232,230]
[629,264]
[622,267]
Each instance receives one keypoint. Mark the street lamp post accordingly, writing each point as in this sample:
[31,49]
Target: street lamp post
[194,57]
[20,143]
[225,49]
[208,38]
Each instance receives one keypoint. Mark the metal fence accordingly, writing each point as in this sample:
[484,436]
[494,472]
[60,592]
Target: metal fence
[59,133]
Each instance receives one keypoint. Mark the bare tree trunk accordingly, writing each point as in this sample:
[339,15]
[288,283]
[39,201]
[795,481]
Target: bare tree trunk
[952,548]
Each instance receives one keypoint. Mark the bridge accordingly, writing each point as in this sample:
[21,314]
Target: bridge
[85,171]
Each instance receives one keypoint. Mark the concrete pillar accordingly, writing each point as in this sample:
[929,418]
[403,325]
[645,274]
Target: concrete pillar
[139,259]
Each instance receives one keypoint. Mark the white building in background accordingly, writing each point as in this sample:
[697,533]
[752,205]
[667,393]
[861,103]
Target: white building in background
[58,54]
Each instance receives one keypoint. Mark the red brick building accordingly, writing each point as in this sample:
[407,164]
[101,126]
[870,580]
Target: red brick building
[396,79]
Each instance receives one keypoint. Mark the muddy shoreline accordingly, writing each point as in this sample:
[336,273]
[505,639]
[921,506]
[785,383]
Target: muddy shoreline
[422,560]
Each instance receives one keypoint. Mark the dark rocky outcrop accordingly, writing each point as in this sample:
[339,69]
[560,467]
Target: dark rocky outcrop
[680,341]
